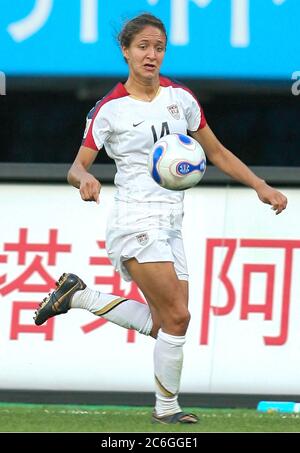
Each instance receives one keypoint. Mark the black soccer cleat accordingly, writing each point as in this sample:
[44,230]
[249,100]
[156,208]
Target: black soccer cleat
[59,301]
[179,417]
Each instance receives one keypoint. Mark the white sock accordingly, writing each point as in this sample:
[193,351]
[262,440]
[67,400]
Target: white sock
[168,360]
[124,312]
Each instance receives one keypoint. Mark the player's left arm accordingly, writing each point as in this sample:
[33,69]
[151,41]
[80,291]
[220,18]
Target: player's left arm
[230,164]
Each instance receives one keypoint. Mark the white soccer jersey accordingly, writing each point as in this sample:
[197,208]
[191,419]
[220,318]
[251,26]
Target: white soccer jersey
[129,127]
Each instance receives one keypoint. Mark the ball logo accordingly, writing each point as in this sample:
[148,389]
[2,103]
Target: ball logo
[183,168]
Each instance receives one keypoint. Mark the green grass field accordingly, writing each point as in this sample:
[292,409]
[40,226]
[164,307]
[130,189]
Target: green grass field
[107,419]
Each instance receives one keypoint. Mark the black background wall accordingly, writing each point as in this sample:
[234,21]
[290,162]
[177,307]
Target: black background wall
[43,121]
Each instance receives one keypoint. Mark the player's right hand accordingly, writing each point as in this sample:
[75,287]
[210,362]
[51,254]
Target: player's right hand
[90,188]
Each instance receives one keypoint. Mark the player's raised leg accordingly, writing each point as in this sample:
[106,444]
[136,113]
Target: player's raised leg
[72,292]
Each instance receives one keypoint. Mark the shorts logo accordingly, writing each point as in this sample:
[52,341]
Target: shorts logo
[174,110]
[142,238]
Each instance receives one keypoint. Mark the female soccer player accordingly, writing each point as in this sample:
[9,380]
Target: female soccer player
[144,239]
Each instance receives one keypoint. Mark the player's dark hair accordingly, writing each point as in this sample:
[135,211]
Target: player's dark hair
[137,24]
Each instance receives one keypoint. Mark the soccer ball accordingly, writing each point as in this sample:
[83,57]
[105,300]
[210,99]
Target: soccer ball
[177,162]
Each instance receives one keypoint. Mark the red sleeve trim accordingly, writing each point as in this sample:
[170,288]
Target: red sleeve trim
[166,82]
[89,141]
[117,92]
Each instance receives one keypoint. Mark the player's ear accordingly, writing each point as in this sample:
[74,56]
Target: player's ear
[125,52]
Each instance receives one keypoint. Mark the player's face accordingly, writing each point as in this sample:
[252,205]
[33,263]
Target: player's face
[146,52]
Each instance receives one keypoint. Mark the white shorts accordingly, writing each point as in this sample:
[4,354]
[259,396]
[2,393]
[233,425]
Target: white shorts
[149,232]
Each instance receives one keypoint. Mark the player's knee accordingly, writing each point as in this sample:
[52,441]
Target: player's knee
[173,312]
[181,318]
[177,318]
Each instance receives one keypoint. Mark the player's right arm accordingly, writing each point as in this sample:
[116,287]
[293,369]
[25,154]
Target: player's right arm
[79,177]
[96,133]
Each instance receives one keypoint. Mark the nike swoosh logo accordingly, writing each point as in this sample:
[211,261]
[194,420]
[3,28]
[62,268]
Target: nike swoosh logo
[137,124]
[57,303]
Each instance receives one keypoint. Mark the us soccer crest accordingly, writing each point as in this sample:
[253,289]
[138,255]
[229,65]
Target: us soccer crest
[174,110]
[142,238]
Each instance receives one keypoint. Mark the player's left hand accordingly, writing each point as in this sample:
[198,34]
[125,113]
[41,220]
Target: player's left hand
[269,195]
